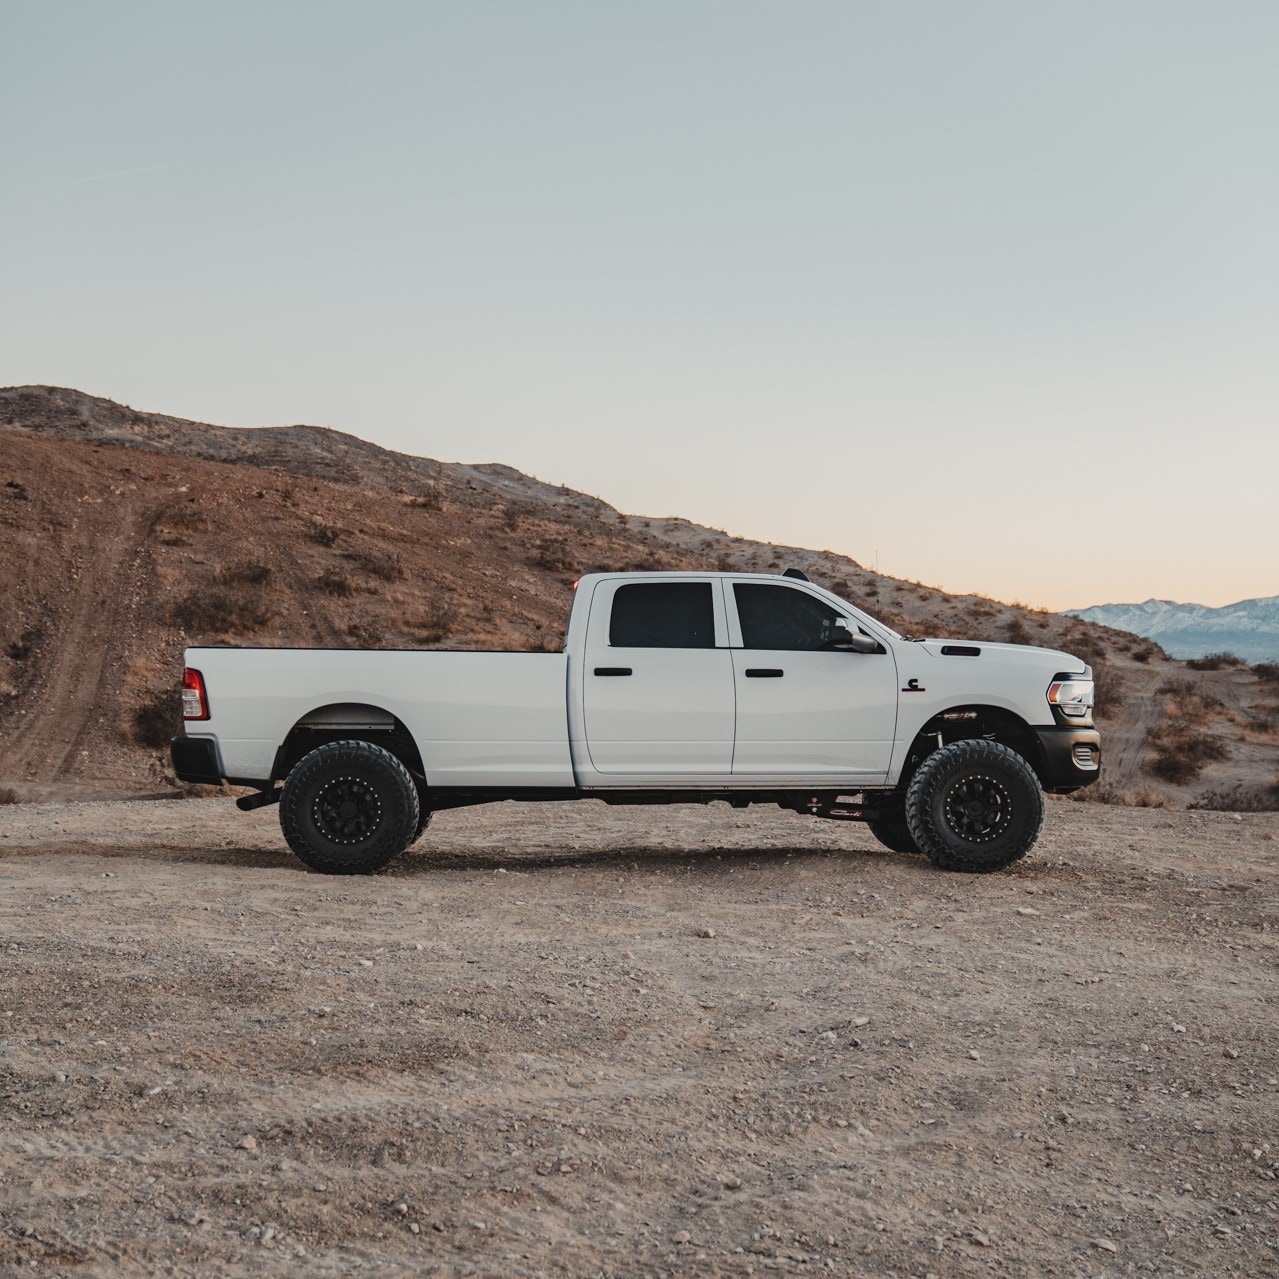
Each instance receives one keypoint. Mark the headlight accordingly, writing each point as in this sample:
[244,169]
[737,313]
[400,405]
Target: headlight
[1072,696]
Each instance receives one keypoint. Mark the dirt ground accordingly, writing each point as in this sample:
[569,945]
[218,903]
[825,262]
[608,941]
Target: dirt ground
[567,1040]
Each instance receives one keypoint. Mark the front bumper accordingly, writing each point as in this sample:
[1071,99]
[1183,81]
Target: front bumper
[195,759]
[1070,758]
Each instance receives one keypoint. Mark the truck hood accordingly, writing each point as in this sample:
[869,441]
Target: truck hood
[958,650]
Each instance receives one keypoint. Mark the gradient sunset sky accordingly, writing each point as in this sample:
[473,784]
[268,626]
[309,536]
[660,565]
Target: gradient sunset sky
[987,293]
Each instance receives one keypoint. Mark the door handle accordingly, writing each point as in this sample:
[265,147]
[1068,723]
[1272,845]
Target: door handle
[612,670]
[764,672]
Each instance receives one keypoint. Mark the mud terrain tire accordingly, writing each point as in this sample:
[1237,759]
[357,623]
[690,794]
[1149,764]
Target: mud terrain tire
[349,808]
[975,806]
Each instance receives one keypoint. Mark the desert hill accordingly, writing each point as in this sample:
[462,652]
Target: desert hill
[125,536]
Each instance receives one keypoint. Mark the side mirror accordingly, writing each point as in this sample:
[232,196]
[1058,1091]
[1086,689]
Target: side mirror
[853,641]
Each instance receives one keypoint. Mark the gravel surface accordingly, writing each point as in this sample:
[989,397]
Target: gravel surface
[567,1040]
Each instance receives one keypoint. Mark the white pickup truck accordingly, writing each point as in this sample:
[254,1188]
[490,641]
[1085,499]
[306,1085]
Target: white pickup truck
[670,688]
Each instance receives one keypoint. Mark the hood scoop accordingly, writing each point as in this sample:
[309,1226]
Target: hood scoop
[960,650]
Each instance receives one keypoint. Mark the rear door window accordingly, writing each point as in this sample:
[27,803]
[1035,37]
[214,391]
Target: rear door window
[663,615]
[780,617]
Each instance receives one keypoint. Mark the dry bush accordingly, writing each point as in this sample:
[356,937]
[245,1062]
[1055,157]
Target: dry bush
[552,556]
[324,534]
[1267,672]
[184,517]
[427,500]
[1109,691]
[1083,645]
[1215,662]
[335,582]
[1263,719]
[1188,702]
[245,574]
[386,565]
[220,611]
[156,719]
[362,635]
[1104,793]
[1241,799]
[1181,753]
[1142,655]
[1016,631]
[431,624]
[17,490]
[8,795]
[20,649]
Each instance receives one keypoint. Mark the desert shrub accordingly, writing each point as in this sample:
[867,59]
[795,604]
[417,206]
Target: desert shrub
[8,795]
[157,719]
[1241,799]
[1181,752]
[432,623]
[220,611]
[362,635]
[185,517]
[1016,631]
[324,534]
[1190,703]
[1267,672]
[246,574]
[1215,662]
[427,500]
[1104,793]
[1109,692]
[17,490]
[20,649]
[552,556]
[381,564]
[1263,719]
[335,582]
[1085,646]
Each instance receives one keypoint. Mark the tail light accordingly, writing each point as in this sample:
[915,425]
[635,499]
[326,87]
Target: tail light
[195,698]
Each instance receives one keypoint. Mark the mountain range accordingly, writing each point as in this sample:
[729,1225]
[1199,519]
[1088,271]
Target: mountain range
[1248,629]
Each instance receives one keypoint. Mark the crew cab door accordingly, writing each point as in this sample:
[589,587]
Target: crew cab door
[657,692]
[804,707]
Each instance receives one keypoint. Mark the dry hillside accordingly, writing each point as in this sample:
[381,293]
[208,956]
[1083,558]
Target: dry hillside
[125,536]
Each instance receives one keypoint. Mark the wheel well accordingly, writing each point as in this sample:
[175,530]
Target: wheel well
[345,722]
[962,723]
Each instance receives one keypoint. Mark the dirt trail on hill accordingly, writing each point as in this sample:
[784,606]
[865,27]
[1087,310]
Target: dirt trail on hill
[86,633]
[567,1040]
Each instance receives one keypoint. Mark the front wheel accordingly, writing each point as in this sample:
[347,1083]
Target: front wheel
[975,806]
[348,808]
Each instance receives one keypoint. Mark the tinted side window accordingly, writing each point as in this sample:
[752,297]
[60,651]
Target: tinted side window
[663,615]
[780,617]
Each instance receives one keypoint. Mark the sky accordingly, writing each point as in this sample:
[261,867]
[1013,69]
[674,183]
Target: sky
[984,294]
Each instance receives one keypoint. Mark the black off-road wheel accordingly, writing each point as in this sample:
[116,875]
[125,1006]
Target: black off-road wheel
[349,808]
[890,827]
[975,806]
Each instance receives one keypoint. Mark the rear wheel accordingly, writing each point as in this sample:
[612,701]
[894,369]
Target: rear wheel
[975,806]
[349,808]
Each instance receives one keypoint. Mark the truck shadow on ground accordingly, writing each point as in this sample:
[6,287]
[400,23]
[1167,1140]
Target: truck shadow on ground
[710,860]
[423,862]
